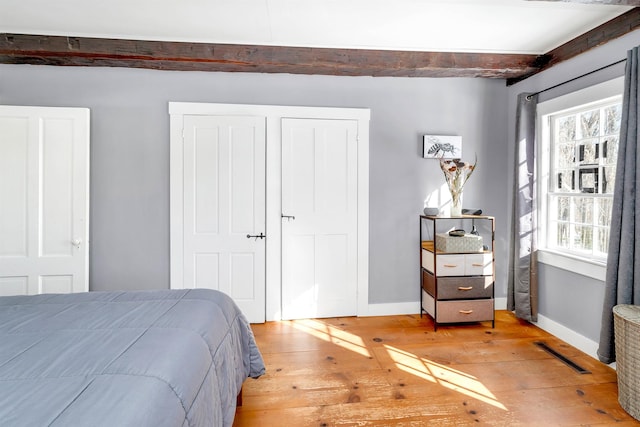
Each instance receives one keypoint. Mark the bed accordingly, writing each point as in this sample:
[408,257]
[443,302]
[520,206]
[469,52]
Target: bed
[148,358]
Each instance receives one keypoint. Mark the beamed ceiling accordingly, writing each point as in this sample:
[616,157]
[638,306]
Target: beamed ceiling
[45,44]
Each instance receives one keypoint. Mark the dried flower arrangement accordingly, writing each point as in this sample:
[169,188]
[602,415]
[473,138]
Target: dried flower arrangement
[456,173]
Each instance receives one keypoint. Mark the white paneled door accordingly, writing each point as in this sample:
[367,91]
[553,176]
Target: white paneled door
[44,200]
[224,208]
[319,218]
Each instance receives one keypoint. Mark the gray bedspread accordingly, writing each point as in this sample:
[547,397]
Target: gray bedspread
[154,358]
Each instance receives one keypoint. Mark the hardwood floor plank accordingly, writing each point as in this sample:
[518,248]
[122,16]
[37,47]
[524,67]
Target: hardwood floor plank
[397,371]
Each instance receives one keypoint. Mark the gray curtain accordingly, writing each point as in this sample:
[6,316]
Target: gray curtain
[522,293]
[622,286]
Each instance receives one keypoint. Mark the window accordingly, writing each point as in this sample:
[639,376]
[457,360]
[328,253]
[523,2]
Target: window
[579,140]
[584,149]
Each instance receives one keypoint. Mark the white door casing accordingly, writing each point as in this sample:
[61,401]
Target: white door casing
[274,115]
[224,203]
[320,221]
[44,200]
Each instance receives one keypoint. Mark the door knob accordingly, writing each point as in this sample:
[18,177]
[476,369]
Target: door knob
[76,242]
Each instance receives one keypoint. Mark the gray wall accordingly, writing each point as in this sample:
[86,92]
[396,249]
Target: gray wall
[130,161]
[570,299]
[130,156]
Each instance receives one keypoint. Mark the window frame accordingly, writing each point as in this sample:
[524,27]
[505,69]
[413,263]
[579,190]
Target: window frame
[596,94]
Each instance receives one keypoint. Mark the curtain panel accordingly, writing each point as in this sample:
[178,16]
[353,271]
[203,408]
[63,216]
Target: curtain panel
[622,285]
[522,293]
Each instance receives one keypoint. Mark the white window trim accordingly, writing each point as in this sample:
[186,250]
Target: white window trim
[595,269]
[585,267]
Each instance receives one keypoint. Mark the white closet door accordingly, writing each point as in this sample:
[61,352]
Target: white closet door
[44,203]
[320,218]
[224,208]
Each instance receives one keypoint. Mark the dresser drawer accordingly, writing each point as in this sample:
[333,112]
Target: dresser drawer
[464,265]
[450,265]
[429,282]
[465,287]
[464,311]
[428,304]
[427,260]
[478,264]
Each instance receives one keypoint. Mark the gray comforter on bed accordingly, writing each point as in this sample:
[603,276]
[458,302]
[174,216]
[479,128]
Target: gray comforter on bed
[154,358]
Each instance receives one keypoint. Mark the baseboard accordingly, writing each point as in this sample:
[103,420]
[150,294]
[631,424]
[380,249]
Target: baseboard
[394,308]
[500,303]
[569,336]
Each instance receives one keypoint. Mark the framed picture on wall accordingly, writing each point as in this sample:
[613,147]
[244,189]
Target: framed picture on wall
[441,146]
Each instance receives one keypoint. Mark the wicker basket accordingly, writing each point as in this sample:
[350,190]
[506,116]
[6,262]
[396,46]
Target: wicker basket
[627,341]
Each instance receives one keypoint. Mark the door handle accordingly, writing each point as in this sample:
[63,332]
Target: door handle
[76,243]
[256,236]
[288,217]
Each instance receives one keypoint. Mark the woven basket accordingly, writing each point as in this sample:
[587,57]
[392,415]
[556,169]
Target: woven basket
[627,341]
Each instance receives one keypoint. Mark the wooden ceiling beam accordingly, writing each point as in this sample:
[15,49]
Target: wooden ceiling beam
[608,31]
[180,56]
[162,55]
[600,35]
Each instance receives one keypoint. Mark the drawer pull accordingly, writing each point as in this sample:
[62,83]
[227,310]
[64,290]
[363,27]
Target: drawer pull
[477,264]
[451,265]
[465,288]
[466,311]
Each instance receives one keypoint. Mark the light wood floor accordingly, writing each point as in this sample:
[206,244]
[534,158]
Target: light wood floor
[396,371]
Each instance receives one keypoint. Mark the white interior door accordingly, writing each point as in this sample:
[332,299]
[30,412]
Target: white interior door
[44,200]
[320,222]
[224,208]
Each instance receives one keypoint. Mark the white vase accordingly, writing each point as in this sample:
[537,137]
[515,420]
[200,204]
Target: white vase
[456,205]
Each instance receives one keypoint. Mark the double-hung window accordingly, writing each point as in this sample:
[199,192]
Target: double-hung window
[579,136]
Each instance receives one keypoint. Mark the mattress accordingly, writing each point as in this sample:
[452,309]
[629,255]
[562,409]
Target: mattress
[148,358]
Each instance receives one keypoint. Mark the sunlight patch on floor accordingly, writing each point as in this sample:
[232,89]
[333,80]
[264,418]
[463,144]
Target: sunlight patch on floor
[446,377]
[333,335]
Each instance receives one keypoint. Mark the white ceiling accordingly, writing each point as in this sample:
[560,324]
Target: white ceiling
[496,26]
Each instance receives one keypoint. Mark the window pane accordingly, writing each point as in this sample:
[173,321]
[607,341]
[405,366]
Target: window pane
[610,150]
[563,208]
[603,239]
[612,119]
[609,179]
[565,156]
[590,124]
[566,128]
[604,212]
[588,180]
[588,152]
[583,237]
[563,235]
[566,181]
[583,210]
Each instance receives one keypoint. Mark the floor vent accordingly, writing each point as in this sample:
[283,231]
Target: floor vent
[564,359]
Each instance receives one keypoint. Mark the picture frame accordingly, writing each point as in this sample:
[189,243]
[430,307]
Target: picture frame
[442,146]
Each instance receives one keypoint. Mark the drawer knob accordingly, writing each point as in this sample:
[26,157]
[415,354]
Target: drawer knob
[466,311]
[465,288]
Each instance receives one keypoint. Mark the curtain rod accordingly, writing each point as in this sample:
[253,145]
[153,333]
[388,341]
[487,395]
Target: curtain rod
[575,78]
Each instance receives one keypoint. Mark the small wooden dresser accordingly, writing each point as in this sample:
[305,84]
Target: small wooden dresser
[457,285]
